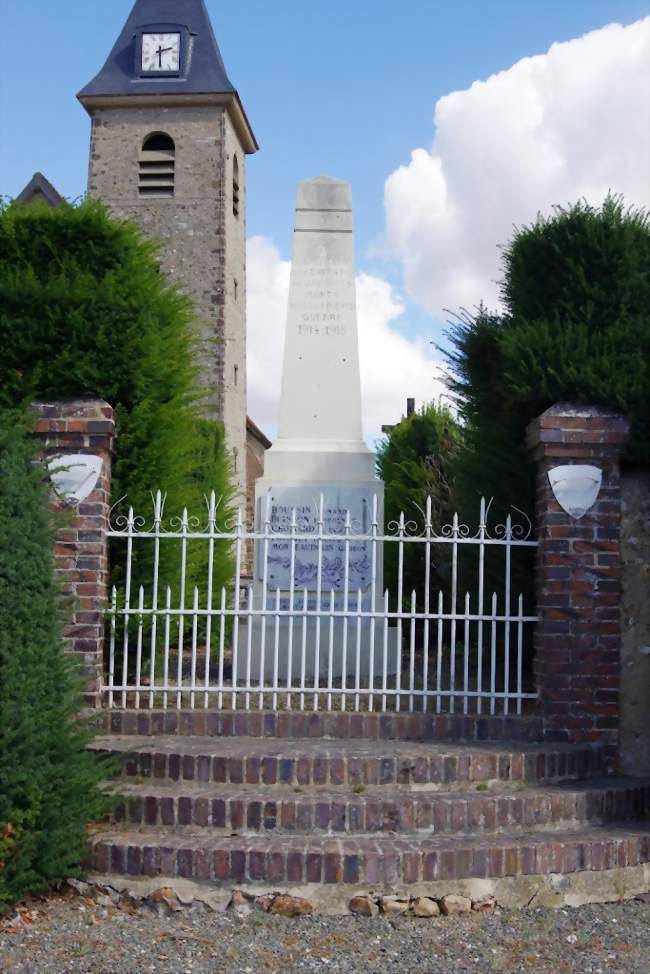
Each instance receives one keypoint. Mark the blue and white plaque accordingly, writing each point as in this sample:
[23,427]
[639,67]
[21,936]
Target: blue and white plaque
[278,507]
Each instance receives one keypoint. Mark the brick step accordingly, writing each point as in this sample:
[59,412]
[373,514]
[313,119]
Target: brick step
[282,809]
[293,860]
[348,763]
[324,724]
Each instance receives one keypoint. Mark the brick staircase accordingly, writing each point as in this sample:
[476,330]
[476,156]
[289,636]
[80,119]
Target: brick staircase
[295,799]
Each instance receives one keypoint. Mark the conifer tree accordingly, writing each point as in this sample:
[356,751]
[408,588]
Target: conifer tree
[415,462]
[49,782]
[85,311]
[575,327]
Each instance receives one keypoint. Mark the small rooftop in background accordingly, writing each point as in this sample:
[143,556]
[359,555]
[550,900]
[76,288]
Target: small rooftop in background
[257,433]
[39,190]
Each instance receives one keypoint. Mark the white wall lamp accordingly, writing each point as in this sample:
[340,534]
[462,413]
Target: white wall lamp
[74,477]
[576,487]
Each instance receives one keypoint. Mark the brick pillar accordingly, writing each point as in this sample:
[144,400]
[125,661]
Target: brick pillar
[81,546]
[578,637]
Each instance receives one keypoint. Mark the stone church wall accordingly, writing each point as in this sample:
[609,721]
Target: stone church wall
[194,226]
[234,406]
[635,611]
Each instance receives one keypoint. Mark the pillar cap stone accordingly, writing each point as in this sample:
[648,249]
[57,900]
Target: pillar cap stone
[82,407]
[589,428]
[84,423]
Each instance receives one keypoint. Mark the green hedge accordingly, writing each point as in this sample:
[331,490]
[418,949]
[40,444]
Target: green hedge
[576,327]
[415,462]
[48,780]
[85,311]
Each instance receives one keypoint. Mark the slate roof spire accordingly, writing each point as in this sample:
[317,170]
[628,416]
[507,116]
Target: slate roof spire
[203,74]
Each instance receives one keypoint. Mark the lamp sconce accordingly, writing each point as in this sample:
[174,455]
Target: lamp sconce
[576,487]
[74,477]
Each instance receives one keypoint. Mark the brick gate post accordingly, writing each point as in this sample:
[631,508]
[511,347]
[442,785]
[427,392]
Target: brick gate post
[578,636]
[81,546]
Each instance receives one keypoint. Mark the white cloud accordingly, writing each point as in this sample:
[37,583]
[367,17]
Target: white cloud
[393,367]
[267,291]
[572,123]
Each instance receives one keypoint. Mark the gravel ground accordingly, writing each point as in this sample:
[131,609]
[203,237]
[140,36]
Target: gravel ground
[68,935]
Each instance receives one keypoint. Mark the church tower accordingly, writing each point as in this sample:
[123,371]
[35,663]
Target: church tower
[168,149]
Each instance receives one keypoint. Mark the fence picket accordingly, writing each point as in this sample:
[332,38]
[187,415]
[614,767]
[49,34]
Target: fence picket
[181,615]
[481,596]
[506,635]
[454,597]
[466,624]
[427,598]
[195,630]
[346,587]
[439,653]
[127,603]
[292,584]
[412,652]
[157,520]
[111,647]
[168,622]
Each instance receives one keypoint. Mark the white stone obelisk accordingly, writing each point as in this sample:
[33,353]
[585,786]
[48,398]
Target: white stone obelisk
[320,432]
[320,468]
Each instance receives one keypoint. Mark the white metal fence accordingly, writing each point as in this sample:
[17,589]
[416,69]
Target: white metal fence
[307,623]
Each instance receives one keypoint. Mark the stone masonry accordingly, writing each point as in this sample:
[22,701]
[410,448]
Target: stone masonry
[578,637]
[203,242]
[81,545]
[298,800]
[635,648]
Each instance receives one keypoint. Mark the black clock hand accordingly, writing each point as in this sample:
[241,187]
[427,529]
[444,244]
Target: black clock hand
[160,52]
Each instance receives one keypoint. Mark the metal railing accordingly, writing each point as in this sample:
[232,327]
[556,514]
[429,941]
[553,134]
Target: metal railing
[314,627]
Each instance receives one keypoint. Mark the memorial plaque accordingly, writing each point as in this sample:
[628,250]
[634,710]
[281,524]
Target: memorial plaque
[337,502]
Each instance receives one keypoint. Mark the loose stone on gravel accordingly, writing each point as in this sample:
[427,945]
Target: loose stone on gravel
[363,906]
[455,904]
[424,906]
[488,905]
[393,905]
[290,906]
[167,897]
[69,934]
[240,903]
[280,904]
[78,887]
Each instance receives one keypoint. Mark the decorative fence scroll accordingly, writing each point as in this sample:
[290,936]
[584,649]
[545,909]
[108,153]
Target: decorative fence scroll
[322,632]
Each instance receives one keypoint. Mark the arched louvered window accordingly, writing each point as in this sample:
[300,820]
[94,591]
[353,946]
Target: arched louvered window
[235,186]
[156,165]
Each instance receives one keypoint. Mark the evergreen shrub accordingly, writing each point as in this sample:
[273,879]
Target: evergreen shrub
[85,311]
[575,327]
[49,782]
[414,461]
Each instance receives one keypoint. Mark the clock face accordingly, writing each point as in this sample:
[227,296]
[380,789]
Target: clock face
[161,52]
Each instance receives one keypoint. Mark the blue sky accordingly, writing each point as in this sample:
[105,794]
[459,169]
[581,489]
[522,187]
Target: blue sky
[343,87]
